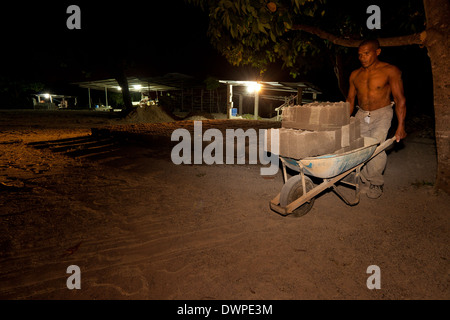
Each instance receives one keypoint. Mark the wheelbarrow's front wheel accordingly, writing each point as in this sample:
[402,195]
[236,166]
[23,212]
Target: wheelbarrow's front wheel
[292,190]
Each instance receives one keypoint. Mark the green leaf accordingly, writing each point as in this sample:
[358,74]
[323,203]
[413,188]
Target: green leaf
[255,27]
[253,11]
[261,28]
[272,37]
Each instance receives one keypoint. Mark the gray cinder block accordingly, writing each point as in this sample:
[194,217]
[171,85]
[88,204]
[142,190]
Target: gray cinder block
[284,141]
[316,116]
[300,144]
[318,128]
[357,143]
[350,132]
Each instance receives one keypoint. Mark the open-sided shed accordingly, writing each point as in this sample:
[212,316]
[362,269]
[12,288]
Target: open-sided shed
[144,85]
[298,91]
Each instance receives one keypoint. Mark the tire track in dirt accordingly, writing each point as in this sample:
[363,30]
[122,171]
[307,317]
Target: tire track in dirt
[137,248]
[147,235]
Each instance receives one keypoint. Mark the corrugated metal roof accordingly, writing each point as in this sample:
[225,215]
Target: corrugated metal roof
[277,86]
[168,82]
[178,81]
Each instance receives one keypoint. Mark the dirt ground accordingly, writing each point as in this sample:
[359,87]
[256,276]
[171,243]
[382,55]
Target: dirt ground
[140,227]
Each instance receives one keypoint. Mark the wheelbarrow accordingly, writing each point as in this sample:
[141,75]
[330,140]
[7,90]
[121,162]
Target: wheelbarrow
[298,192]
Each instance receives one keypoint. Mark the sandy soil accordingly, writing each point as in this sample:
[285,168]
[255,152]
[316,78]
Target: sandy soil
[140,227]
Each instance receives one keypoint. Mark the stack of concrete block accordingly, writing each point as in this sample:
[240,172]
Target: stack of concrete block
[317,129]
[316,116]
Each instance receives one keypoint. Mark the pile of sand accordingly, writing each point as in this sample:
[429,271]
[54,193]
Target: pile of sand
[196,118]
[149,114]
[198,115]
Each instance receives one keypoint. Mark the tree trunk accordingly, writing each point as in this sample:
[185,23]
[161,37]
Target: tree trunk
[437,43]
[123,83]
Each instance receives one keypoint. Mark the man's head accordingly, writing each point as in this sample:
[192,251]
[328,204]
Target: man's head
[368,52]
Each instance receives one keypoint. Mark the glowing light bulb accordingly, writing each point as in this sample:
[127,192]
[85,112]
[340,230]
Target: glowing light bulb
[253,87]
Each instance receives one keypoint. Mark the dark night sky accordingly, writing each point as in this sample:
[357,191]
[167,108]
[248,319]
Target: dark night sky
[158,36]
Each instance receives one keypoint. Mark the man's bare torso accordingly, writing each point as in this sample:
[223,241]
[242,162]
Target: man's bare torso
[372,86]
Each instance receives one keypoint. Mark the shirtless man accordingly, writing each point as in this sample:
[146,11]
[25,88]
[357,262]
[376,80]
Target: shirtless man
[373,84]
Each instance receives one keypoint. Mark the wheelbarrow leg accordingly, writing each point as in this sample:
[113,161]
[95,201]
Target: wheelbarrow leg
[356,183]
[284,170]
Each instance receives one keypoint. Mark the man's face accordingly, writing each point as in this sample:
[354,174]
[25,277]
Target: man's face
[368,55]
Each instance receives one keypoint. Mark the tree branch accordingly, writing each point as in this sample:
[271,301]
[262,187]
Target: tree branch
[417,38]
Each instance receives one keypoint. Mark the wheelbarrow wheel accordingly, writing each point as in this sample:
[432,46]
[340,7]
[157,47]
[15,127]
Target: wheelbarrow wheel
[292,190]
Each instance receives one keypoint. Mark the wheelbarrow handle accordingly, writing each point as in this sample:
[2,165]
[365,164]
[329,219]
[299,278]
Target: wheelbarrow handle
[388,142]
[383,146]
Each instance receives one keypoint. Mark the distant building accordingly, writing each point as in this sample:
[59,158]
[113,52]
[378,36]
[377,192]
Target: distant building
[182,93]
[47,101]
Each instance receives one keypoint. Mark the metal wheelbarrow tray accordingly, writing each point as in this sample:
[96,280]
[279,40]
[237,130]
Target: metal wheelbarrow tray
[331,168]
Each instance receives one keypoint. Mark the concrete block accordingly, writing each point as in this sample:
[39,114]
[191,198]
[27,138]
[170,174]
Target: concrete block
[284,141]
[300,144]
[338,139]
[287,117]
[346,135]
[314,114]
[293,142]
[324,118]
[329,142]
[356,128]
[287,114]
[268,146]
[298,117]
[350,132]
[358,143]
[317,116]
[355,144]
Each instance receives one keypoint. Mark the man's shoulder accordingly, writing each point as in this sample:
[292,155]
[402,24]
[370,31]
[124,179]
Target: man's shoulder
[355,72]
[389,68]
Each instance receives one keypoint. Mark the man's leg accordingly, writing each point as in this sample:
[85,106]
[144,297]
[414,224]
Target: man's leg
[377,128]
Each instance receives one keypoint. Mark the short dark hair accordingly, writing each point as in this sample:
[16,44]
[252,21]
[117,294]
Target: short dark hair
[373,42]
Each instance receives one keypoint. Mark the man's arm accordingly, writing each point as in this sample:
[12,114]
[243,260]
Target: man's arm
[351,93]
[396,83]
